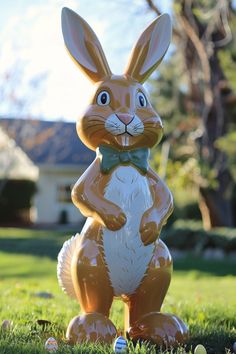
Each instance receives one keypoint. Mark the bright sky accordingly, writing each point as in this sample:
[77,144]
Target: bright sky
[31,40]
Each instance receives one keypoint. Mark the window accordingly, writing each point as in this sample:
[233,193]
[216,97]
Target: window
[64,194]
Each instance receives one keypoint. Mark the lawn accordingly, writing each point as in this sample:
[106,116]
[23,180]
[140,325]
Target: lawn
[202,293]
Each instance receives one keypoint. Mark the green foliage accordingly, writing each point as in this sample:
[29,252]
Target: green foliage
[188,211]
[184,164]
[228,144]
[167,94]
[228,61]
[16,196]
[18,193]
[177,158]
[184,172]
[197,294]
[228,57]
[189,235]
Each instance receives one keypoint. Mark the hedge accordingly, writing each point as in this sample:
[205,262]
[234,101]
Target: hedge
[189,235]
[15,196]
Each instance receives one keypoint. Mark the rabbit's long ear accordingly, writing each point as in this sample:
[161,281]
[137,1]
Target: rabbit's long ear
[150,49]
[84,46]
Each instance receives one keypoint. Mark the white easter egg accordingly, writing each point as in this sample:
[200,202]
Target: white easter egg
[120,345]
[200,349]
[234,347]
[51,345]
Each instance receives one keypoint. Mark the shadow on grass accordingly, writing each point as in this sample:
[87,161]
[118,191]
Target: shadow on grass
[50,247]
[24,275]
[33,246]
[209,266]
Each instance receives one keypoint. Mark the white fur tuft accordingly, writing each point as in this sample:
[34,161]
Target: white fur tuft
[64,266]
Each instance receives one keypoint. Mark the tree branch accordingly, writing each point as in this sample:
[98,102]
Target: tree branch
[156,10]
[201,52]
[153,7]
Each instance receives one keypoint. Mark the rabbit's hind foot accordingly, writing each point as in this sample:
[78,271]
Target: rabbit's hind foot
[91,327]
[161,329]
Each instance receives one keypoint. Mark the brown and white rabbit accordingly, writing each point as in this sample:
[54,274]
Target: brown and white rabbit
[118,253]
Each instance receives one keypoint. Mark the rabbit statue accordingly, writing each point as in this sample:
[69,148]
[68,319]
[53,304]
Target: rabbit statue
[118,252]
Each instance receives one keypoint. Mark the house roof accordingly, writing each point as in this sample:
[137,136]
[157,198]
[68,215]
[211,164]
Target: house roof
[48,142]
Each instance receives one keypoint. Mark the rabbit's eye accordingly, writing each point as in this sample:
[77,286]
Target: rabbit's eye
[103,98]
[141,100]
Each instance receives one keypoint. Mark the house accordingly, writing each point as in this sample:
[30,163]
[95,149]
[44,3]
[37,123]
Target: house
[59,157]
[17,182]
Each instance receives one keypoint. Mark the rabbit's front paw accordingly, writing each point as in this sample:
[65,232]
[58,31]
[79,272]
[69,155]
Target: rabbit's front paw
[114,220]
[149,228]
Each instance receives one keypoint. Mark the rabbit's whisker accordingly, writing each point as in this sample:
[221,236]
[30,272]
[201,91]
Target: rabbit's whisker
[153,123]
[138,126]
[97,131]
[97,115]
[112,125]
[105,134]
[93,126]
[95,121]
[149,132]
[149,118]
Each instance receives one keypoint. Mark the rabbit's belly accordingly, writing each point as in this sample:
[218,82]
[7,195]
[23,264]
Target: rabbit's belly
[126,256]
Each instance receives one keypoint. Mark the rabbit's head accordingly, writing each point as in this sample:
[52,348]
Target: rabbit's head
[120,114]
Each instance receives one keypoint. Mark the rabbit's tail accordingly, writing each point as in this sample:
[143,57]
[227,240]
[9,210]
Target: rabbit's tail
[64,266]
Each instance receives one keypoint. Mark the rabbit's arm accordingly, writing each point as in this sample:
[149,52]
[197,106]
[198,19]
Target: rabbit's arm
[88,196]
[156,216]
[162,197]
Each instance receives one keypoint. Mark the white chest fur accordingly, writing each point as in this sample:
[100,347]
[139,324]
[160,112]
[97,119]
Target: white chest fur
[126,256]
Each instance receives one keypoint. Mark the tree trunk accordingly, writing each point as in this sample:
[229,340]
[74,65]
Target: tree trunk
[208,101]
[200,42]
[216,204]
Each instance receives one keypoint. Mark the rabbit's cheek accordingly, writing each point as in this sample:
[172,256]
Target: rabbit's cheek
[136,127]
[114,126]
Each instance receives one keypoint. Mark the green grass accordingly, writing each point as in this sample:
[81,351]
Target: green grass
[202,293]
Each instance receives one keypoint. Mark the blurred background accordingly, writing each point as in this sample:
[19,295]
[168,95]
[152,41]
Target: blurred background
[42,92]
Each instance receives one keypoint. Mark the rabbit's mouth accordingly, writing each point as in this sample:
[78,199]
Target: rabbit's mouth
[117,127]
[125,140]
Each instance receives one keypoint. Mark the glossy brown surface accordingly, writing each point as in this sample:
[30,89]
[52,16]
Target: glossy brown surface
[87,52]
[155,217]
[151,292]
[91,327]
[90,274]
[88,196]
[150,49]
[108,122]
[123,92]
[159,328]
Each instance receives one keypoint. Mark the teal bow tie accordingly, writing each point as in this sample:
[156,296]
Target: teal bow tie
[111,158]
